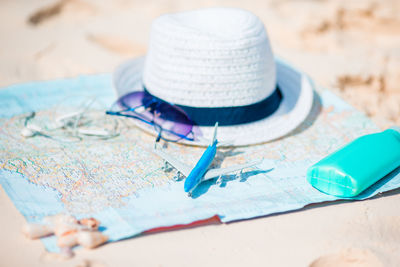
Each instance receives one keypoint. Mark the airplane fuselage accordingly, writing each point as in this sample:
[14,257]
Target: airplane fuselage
[197,173]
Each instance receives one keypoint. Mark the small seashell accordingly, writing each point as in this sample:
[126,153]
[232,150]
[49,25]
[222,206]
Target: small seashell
[60,219]
[34,230]
[90,223]
[65,229]
[68,240]
[89,239]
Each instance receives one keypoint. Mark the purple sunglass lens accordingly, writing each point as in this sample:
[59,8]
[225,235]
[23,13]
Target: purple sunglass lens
[129,101]
[174,122]
[133,104]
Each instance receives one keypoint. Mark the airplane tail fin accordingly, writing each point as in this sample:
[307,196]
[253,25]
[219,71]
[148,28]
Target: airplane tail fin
[215,134]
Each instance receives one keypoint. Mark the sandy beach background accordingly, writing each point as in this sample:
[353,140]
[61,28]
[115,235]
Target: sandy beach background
[350,47]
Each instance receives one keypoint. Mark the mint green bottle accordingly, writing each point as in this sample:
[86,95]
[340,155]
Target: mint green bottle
[356,166]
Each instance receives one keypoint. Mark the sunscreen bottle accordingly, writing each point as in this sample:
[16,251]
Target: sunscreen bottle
[356,166]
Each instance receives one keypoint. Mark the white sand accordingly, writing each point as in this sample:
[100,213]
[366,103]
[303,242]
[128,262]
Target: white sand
[350,48]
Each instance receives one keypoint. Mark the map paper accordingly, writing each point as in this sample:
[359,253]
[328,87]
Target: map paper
[120,181]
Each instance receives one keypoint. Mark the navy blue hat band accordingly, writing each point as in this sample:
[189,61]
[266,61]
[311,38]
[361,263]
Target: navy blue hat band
[228,116]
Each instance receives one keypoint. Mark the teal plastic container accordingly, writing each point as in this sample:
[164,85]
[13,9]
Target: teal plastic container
[356,166]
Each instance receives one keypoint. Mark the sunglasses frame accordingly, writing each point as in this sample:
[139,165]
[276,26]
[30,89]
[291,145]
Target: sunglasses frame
[158,128]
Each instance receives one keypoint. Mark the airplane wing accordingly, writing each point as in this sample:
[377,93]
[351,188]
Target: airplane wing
[213,173]
[180,166]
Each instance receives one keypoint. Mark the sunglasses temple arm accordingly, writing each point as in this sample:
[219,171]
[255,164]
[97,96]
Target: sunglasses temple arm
[138,118]
[128,116]
[159,136]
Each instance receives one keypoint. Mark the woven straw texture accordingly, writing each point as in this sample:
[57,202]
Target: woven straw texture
[217,57]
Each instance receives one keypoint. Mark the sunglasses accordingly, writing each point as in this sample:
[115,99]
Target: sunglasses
[169,121]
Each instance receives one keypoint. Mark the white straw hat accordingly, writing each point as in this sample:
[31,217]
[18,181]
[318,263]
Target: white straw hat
[218,62]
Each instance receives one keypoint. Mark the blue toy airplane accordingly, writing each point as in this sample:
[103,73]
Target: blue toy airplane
[201,171]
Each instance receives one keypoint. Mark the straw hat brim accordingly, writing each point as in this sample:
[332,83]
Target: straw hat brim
[296,104]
